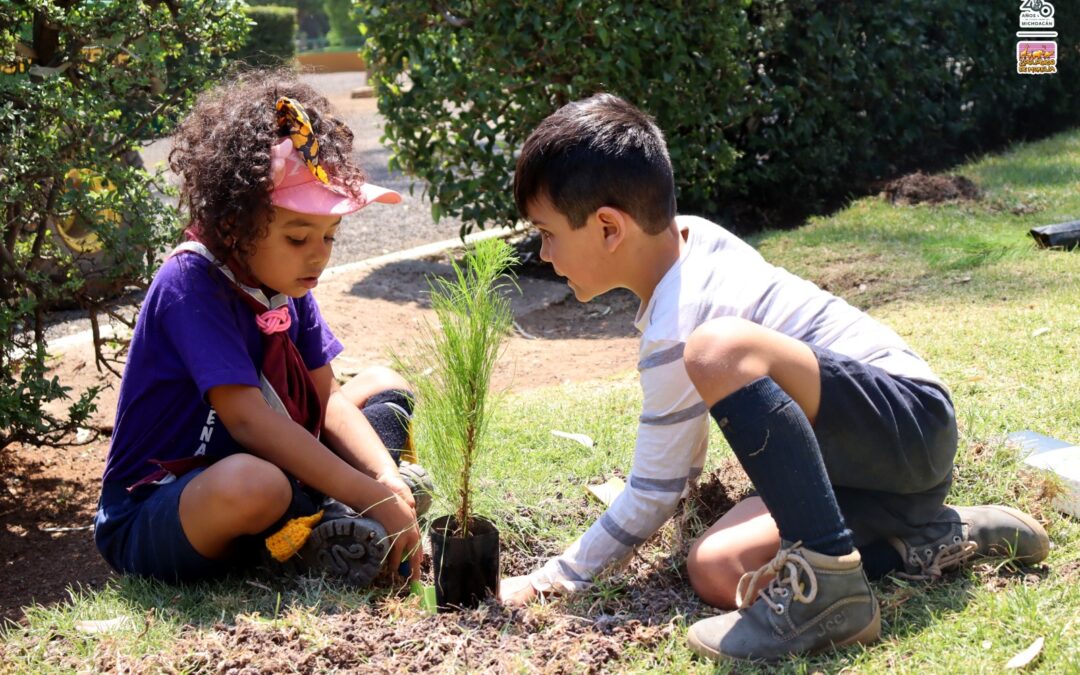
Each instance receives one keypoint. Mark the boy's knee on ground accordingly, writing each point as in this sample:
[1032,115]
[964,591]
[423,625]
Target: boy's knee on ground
[713,573]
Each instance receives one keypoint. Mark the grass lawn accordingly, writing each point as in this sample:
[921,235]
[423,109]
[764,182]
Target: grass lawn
[963,283]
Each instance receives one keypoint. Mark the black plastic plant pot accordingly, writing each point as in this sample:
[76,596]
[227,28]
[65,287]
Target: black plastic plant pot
[466,568]
[1061,235]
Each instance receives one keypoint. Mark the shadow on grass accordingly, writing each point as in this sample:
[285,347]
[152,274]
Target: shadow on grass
[652,598]
[1031,172]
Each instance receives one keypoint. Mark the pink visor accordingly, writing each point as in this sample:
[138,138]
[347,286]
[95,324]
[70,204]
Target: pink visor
[296,188]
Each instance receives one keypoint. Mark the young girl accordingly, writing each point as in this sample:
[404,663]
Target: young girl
[232,437]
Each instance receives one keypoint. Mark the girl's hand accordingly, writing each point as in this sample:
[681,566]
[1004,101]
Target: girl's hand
[399,519]
[392,480]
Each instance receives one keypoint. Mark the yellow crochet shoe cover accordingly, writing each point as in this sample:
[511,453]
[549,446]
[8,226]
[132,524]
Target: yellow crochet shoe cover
[408,453]
[287,542]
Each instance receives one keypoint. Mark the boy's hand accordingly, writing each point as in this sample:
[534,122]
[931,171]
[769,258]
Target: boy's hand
[516,591]
[392,480]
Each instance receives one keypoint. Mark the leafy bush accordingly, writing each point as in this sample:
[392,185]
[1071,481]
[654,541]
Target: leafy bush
[775,105]
[83,84]
[272,39]
[461,93]
[843,94]
[311,18]
[343,28]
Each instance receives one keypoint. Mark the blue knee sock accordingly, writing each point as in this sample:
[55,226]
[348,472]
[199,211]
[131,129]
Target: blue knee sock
[389,413]
[777,448]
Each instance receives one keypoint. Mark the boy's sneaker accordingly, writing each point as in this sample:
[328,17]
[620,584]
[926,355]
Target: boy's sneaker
[960,533]
[419,481]
[815,602]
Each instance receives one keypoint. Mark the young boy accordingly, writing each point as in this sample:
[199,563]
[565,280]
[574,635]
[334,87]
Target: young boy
[847,435]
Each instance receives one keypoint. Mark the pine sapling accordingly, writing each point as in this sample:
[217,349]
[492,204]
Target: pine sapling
[451,369]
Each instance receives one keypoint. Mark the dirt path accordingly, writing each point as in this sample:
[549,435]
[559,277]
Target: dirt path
[48,495]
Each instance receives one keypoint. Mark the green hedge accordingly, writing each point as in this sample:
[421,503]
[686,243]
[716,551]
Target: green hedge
[272,39]
[480,83]
[310,15]
[776,106]
[843,94]
[344,31]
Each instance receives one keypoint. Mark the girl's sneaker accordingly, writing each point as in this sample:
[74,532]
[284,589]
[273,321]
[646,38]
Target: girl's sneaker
[419,481]
[346,548]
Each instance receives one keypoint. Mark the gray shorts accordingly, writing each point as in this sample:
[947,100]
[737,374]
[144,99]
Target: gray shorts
[888,443]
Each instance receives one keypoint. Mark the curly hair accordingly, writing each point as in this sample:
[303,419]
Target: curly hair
[222,153]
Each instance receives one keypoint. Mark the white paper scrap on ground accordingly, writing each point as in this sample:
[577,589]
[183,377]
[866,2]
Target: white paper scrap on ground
[1058,457]
[607,492]
[102,625]
[1025,657]
[580,438]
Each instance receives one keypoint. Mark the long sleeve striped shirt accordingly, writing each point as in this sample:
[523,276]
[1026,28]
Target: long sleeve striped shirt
[716,275]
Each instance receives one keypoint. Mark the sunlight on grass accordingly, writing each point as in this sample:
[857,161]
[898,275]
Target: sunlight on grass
[962,283]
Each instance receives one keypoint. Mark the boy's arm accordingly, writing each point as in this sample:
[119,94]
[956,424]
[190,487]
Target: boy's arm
[351,436]
[281,441]
[669,452]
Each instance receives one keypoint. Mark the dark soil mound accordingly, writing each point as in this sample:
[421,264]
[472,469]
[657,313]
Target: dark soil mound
[716,494]
[920,188]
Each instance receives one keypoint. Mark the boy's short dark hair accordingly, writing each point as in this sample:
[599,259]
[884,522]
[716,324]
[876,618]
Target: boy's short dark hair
[600,151]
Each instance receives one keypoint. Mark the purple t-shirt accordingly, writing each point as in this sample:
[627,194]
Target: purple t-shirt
[194,332]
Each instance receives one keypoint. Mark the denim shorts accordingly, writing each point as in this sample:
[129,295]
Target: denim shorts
[140,532]
[888,444]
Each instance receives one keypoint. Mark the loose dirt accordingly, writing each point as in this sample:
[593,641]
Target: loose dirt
[921,188]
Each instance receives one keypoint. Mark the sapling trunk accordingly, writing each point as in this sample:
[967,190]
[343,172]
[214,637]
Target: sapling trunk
[466,481]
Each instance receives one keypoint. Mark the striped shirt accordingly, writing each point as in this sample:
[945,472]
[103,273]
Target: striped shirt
[716,275]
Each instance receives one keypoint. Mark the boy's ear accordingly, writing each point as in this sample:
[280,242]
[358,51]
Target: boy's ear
[613,224]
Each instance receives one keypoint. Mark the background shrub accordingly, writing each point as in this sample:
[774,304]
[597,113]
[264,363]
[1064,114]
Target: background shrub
[82,85]
[844,94]
[312,22]
[344,31]
[271,41]
[772,108]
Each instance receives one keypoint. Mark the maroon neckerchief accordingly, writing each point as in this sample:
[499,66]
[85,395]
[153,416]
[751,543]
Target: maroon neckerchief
[285,381]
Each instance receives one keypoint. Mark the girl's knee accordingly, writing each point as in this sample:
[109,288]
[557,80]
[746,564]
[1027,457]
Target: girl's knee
[240,494]
[371,381]
[252,488]
[384,378]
